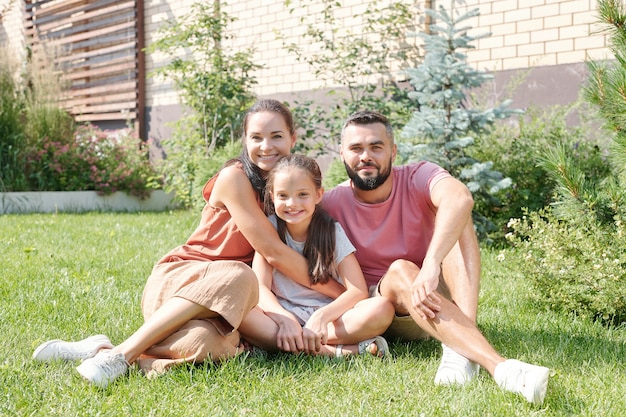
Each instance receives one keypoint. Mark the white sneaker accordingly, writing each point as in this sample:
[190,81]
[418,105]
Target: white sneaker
[60,349]
[522,378]
[455,369]
[103,368]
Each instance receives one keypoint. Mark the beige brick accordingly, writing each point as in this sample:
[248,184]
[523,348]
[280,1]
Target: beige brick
[576,6]
[584,17]
[534,3]
[532,49]
[517,39]
[557,21]
[517,15]
[505,52]
[545,11]
[515,63]
[531,25]
[491,42]
[575,32]
[570,57]
[504,29]
[547,59]
[565,45]
[591,42]
[599,54]
[545,35]
[477,55]
[490,19]
[503,5]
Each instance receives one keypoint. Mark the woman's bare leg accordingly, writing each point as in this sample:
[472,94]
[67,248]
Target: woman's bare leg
[166,320]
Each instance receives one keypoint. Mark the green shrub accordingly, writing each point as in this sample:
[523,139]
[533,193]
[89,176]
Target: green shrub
[516,151]
[335,174]
[576,266]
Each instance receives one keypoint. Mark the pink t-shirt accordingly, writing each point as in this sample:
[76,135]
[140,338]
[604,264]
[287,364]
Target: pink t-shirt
[399,228]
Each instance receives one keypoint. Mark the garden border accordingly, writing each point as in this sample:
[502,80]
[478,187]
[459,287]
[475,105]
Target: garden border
[81,201]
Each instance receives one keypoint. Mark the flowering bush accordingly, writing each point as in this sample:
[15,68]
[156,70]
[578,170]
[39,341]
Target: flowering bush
[576,266]
[104,161]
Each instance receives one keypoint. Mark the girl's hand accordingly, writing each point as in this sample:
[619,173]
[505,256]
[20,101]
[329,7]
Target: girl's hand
[318,325]
[289,336]
[312,341]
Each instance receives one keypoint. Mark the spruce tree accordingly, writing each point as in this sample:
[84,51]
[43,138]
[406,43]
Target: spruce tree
[443,127]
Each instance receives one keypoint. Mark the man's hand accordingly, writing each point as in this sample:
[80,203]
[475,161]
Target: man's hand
[425,300]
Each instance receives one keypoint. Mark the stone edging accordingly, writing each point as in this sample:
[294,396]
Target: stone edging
[80,201]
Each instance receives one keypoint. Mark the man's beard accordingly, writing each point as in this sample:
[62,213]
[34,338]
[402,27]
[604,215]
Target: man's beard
[370,183]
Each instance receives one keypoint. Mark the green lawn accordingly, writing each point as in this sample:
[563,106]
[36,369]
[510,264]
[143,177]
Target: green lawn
[71,275]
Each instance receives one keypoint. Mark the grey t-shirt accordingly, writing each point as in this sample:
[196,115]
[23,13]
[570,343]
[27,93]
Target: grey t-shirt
[298,299]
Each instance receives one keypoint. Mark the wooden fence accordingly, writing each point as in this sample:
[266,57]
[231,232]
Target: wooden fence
[97,45]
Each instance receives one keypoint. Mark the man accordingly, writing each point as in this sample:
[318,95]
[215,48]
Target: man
[416,244]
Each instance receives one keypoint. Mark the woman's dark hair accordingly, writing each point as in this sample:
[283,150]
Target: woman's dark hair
[254,173]
[319,247]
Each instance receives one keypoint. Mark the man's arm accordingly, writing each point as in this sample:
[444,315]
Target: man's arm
[453,202]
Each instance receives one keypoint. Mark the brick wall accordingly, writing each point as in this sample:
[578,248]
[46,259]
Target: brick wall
[525,34]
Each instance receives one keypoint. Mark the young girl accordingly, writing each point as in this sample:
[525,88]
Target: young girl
[198,293]
[292,317]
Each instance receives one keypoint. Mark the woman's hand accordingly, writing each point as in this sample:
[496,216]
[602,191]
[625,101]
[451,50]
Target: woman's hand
[289,337]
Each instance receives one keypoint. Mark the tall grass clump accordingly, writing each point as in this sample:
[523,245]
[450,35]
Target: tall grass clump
[11,126]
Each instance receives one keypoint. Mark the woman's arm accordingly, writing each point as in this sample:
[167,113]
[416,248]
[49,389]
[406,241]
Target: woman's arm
[234,192]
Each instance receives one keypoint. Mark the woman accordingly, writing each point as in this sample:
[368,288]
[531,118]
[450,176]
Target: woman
[198,294]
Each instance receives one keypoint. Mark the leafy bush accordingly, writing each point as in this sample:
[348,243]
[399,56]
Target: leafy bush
[576,266]
[92,160]
[335,174]
[516,151]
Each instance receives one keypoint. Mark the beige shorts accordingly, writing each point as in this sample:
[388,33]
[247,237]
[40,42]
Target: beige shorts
[402,327]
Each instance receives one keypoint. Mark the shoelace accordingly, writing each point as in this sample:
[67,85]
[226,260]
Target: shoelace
[113,365]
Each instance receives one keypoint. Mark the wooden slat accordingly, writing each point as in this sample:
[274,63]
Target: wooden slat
[99,54]
[105,116]
[104,89]
[98,72]
[77,18]
[91,34]
[92,100]
[96,52]
[101,108]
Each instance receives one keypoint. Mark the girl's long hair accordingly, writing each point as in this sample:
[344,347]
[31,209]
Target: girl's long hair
[254,173]
[319,247]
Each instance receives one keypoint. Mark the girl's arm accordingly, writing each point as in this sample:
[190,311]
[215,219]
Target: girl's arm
[234,192]
[356,290]
[289,337]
